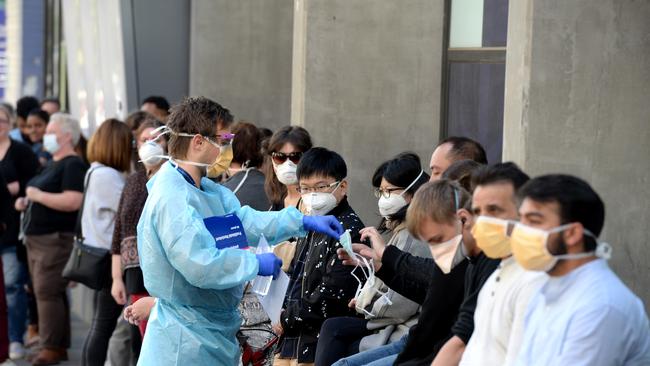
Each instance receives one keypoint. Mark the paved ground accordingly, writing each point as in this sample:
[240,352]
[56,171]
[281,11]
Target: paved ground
[79,331]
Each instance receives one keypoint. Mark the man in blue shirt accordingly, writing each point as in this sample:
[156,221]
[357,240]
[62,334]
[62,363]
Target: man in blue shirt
[583,313]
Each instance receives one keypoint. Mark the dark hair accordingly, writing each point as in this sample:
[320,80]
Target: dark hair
[501,172]
[246,144]
[25,105]
[321,162]
[51,100]
[160,102]
[40,114]
[136,118]
[400,171]
[461,172]
[195,115]
[298,137]
[577,200]
[465,148]
[148,122]
[265,132]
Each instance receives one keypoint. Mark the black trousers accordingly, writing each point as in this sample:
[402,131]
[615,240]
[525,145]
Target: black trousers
[339,337]
[107,311]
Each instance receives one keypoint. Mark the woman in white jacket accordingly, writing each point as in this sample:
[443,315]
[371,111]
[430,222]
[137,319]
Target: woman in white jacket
[109,151]
[385,316]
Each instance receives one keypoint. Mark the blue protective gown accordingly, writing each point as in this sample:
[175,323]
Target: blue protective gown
[198,286]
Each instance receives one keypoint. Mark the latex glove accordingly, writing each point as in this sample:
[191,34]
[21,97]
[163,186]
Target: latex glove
[327,225]
[270,264]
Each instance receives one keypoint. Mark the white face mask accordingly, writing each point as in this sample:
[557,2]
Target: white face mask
[449,254]
[391,205]
[319,203]
[50,144]
[164,130]
[286,173]
[151,153]
[366,292]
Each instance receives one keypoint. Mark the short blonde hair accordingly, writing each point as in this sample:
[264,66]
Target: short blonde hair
[68,124]
[437,201]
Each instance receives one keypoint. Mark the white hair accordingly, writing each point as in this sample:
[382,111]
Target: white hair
[68,124]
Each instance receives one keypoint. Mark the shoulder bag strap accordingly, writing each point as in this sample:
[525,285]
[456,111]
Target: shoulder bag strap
[77,231]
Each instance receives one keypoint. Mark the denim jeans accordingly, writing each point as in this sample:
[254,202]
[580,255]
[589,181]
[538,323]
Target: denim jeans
[15,278]
[380,356]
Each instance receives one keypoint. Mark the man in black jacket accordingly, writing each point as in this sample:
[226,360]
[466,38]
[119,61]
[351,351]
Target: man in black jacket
[321,285]
[447,286]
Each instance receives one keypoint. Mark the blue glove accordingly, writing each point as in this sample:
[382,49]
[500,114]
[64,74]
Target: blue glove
[270,265]
[327,225]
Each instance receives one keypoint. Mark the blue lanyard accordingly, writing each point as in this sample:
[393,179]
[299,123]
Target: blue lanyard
[186,175]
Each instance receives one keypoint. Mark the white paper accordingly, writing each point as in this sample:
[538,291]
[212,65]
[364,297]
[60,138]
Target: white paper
[272,302]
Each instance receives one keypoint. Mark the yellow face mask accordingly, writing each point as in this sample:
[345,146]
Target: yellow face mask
[222,163]
[491,235]
[530,248]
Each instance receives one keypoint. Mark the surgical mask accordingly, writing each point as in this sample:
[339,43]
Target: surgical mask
[449,254]
[50,144]
[151,153]
[286,173]
[530,247]
[319,203]
[395,202]
[366,291]
[223,161]
[164,130]
[491,235]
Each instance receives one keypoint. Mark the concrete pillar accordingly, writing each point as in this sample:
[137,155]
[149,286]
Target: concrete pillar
[371,83]
[241,54]
[576,101]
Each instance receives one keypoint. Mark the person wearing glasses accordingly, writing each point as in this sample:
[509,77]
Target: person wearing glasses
[387,316]
[286,147]
[320,285]
[195,274]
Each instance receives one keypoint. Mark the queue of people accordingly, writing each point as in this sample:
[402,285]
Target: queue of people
[473,264]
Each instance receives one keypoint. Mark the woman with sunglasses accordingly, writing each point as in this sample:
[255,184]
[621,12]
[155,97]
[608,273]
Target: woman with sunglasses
[387,316]
[285,150]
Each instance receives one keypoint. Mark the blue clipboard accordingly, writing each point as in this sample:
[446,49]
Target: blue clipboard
[228,231]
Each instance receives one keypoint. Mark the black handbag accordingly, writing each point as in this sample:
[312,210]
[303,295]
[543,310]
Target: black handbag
[87,265]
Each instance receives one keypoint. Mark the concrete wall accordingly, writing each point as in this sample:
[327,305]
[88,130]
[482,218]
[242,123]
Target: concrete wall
[577,87]
[156,49]
[241,55]
[371,83]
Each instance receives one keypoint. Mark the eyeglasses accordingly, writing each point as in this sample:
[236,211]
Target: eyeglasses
[317,189]
[385,192]
[280,158]
[225,138]
[219,139]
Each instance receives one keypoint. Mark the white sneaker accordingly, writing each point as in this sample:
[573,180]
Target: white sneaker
[16,351]
[8,362]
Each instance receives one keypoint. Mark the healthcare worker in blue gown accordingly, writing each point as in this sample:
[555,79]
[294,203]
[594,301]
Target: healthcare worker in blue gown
[198,286]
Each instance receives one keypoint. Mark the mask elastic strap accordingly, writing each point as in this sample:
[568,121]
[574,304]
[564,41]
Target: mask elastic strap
[165,157]
[176,161]
[241,183]
[412,183]
[456,199]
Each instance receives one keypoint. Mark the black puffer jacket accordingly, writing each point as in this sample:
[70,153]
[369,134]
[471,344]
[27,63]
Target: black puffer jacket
[321,287]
